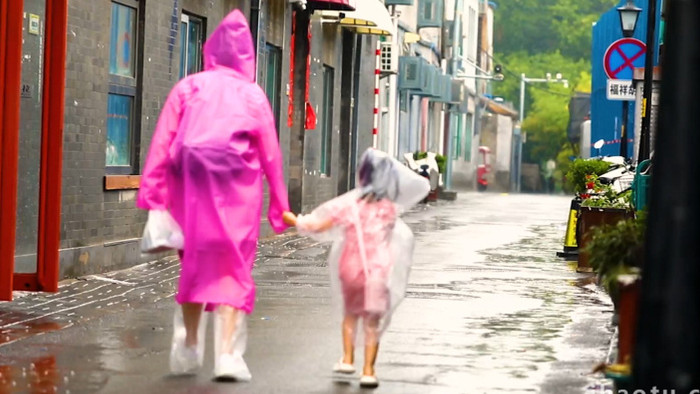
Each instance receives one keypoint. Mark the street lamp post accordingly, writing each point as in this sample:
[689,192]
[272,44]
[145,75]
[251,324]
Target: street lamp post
[644,143]
[523,80]
[629,14]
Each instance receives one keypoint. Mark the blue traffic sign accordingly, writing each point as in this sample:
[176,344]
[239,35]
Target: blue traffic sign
[622,57]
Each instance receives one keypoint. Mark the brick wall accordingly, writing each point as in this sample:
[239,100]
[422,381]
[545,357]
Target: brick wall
[326,48]
[100,229]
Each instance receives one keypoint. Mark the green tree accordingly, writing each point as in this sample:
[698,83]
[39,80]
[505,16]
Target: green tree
[545,127]
[536,37]
[537,66]
[537,26]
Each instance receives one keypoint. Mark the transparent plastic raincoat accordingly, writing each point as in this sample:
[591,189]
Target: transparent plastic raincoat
[372,249]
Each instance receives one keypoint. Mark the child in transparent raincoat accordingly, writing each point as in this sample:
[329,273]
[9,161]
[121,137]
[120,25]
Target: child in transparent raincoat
[372,250]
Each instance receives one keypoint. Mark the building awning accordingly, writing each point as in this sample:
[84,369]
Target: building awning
[370,17]
[498,108]
[340,5]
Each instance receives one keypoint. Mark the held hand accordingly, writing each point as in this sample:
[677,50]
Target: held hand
[289,218]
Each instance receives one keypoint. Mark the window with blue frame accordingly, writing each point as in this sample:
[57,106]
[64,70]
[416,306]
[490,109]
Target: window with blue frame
[119,125]
[457,152]
[123,98]
[272,79]
[191,41]
[122,40]
[468,133]
[327,125]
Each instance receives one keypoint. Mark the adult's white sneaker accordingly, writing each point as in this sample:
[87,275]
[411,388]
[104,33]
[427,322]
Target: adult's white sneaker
[231,367]
[369,382]
[184,360]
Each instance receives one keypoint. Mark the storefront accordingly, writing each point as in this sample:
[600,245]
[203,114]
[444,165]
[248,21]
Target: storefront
[32,80]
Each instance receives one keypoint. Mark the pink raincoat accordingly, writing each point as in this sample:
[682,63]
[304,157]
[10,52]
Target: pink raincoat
[214,140]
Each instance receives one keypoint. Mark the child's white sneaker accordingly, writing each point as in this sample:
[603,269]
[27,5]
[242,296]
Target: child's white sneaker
[341,367]
[231,367]
[369,382]
[184,360]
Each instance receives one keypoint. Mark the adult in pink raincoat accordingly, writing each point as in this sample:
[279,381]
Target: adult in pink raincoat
[214,140]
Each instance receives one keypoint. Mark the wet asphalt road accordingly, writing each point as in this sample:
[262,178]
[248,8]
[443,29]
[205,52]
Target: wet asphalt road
[490,309]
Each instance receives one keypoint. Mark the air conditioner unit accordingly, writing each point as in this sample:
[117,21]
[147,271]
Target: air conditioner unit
[388,58]
[412,75]
[429,13]
[436,86]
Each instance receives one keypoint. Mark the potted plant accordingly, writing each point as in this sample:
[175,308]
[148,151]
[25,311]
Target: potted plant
[580,168]
[575,178]
[440,162]
[600,205]
[616,254]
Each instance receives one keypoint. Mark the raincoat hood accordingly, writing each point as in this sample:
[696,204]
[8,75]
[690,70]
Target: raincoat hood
[385,177]
[231,46]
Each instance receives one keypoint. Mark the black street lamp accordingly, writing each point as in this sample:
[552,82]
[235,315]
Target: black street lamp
[629,13]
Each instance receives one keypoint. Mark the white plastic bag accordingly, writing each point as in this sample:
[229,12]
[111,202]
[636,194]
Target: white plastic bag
[161,233]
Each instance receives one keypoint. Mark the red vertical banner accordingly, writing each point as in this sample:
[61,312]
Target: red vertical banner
[310,121]
[11,18]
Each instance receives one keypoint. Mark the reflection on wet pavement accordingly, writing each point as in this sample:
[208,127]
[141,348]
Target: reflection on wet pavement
[489,309]
[504,316]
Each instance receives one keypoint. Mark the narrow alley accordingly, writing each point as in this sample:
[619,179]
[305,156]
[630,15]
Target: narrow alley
[490,309]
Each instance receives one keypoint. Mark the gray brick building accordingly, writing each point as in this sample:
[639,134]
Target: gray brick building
[100,225]
[122,59]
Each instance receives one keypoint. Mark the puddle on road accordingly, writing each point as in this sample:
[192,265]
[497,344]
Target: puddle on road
[17,325]
[42,370]
[499,324]
[504,320]
[40,377]
[435,223]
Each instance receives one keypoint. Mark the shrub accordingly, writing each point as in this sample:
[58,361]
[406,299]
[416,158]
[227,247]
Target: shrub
[439,159]
[617,249]
[576,176]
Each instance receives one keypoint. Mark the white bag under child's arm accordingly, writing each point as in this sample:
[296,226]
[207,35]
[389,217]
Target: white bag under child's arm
[161,233]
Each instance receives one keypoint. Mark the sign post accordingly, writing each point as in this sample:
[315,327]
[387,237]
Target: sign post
[619,61]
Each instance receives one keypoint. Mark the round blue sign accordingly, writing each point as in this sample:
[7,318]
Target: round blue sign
[622,57]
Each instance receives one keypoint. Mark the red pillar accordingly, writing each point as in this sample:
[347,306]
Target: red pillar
[11,18]
[52,145]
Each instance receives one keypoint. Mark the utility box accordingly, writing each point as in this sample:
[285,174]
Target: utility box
[388,58]
[458,91]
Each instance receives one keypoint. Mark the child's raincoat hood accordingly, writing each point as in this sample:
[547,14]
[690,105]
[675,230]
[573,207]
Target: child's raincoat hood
[231,46]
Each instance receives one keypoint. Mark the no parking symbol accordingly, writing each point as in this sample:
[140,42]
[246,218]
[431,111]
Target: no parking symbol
[622,57]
